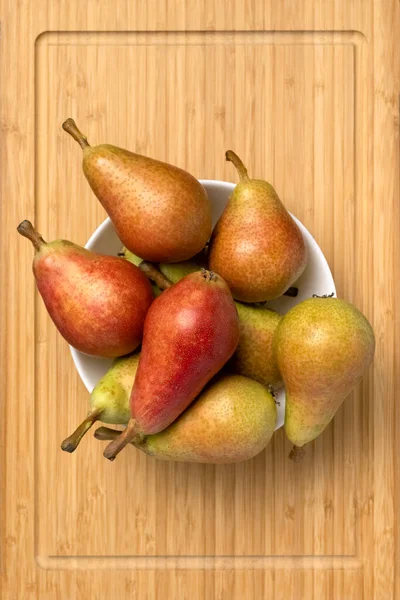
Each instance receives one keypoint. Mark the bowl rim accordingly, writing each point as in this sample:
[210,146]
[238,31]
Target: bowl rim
[208,183]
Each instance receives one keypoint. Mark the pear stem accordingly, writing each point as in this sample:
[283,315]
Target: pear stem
[126,436]
[241,169]
[72,442]
[297,454]
[27,230]
[155,275]
[106,433]
[71,127]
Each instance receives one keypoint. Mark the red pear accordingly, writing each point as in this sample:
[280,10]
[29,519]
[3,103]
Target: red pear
[98,303]
[190,332]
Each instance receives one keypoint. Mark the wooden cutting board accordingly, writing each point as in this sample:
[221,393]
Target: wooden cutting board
[308,94]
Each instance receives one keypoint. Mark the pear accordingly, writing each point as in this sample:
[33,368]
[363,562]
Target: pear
[176,271]
[190,332]
[98,303]
[254,356]
[232,420]
[159,211]
[256,246]
[323,347]
[109,400]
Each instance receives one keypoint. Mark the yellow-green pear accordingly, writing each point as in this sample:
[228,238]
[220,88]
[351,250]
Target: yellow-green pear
[323,347]
[109,400]
[232,420]
[254,355]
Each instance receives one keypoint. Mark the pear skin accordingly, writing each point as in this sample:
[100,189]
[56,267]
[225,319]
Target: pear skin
[176,271]
[190,332]
[160,212]
[109,400]
[97,302]
[232,420]
[254,356]
[256,246]
[323,346]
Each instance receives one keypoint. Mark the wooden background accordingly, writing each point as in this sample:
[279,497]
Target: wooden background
[308,94]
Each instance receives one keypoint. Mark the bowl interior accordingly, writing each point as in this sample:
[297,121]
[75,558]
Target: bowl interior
[316,279]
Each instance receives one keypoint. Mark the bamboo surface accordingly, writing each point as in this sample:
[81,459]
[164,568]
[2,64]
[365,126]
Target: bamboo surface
[308,94]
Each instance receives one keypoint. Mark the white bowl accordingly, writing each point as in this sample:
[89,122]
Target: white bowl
[316,279]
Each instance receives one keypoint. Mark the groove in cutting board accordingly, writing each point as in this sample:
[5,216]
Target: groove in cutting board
[186,38]
[198,562]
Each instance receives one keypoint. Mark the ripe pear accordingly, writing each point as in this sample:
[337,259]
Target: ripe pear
[323,347]
[190,332]
[98,303]
[109,400]
[232,420]
[159,211]
[254,356]
[256,246]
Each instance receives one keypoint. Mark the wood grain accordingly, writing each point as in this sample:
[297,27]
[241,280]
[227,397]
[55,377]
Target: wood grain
[308,94]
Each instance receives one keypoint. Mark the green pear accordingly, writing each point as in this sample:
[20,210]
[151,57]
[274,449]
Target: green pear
[256,246]
[232,420]
[323,347]
[254,355]
[176,271]
[109,400]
